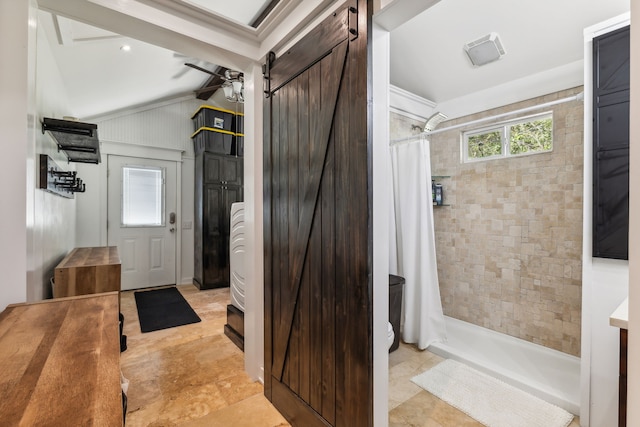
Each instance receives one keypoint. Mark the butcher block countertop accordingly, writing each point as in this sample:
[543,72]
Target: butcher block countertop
[60,362]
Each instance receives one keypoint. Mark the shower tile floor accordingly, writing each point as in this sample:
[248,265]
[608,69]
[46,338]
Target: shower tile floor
[193,376]
[410,405]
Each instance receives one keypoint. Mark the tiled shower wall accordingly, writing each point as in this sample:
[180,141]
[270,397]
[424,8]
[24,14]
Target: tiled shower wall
[509,244]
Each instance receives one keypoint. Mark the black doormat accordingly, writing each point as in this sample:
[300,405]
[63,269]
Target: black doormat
[163,308]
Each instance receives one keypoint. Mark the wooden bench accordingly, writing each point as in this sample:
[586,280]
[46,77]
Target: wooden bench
[88,271]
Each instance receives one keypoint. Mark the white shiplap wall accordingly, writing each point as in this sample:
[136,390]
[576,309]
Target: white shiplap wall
[167,125]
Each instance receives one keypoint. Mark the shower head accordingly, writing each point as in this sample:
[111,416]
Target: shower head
[434,121]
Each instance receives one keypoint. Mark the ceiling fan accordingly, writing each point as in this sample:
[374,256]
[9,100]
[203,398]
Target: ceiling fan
[232,83]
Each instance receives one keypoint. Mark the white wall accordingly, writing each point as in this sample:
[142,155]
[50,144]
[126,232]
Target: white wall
[37,227]
[604,282]
[633,396]
[16,118]
[53,232]
[381,173]
[254,291]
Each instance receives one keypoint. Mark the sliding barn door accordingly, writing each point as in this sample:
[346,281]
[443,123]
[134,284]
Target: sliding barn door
[318,337]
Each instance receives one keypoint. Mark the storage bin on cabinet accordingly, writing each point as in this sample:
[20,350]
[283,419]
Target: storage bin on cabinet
[213,117]
[213,141]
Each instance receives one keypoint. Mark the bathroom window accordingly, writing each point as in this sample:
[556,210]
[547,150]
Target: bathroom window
[529,135]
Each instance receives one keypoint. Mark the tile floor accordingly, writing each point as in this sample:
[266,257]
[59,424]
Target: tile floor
[193,375]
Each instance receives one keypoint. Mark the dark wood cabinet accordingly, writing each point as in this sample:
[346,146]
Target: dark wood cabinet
[611,145]
[218,184]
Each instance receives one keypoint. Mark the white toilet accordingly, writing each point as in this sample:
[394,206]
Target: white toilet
[390,335]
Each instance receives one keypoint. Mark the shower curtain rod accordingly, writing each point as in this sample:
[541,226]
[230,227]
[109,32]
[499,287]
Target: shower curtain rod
[577,97]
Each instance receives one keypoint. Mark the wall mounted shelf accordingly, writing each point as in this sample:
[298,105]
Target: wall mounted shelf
[77,139]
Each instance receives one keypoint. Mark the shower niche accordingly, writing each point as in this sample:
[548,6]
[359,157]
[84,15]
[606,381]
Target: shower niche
[439,189]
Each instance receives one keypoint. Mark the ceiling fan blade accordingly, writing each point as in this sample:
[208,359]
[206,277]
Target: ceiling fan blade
[208,89]
[204,70]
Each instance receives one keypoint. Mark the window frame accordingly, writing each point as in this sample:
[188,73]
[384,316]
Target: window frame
[504,128]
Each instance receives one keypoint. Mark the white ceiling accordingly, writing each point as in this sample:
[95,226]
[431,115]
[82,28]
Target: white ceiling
[100,77]
[427,56]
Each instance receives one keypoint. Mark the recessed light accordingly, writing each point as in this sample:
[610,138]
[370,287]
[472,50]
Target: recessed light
[125,48]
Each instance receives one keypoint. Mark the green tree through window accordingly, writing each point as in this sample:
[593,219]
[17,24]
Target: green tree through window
[485,145]
[531,136]
[513,138]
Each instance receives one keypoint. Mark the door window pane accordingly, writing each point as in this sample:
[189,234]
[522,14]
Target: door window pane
[142,196]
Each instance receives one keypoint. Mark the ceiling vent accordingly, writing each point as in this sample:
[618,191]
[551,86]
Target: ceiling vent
[485,50]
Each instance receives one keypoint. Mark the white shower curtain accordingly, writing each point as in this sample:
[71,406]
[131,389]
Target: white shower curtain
[413,250]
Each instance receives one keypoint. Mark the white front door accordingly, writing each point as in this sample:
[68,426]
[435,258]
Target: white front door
[142,220]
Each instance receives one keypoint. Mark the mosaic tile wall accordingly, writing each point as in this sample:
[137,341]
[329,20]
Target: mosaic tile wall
[509,245]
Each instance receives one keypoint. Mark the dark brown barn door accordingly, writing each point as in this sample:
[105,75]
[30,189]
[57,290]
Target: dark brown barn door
[318,345]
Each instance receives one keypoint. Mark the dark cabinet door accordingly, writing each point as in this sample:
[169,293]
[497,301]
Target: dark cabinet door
[214,253]
[217,215]
[222,169]
[611,70]
[218,184]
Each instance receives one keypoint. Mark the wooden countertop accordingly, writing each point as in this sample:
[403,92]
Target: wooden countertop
[620,317]
[86,257]
[61,362]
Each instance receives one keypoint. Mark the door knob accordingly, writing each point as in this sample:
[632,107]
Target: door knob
[172,229]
